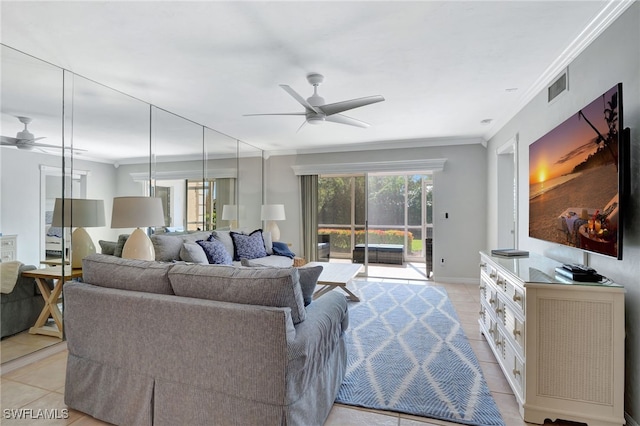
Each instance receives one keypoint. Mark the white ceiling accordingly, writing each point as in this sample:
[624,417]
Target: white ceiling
[443,66]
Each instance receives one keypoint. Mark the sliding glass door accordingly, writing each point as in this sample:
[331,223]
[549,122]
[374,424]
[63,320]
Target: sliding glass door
[377,219]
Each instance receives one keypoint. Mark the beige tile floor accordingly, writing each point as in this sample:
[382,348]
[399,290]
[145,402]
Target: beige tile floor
[40,385]
[21,344]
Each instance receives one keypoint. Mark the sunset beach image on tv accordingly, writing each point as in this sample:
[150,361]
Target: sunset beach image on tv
[574,178]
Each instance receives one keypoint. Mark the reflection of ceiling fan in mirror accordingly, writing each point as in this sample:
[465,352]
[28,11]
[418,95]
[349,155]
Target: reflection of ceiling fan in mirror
[26,140]
[316,111]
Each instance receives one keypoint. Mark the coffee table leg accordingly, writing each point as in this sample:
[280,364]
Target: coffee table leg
[350,295]
[327,288]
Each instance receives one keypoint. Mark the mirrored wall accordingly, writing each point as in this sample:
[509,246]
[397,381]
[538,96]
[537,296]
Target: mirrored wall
[101,144]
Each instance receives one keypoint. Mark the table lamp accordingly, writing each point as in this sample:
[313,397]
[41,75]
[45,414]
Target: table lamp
[271,213]
[230,213]
[137,212]
[79,213]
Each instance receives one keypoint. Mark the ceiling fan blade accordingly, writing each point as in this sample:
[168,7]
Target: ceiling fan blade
[6,140]
[37,139]
[343,119]
[299,98]
[337,107]
[301,126]
[276,113]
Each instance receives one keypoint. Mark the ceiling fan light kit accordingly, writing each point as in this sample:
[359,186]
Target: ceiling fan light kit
[317,112]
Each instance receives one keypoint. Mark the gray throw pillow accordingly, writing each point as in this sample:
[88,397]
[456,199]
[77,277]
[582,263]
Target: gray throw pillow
[225,238]
[122,239]
[193,252]
[107,247]
[308,281]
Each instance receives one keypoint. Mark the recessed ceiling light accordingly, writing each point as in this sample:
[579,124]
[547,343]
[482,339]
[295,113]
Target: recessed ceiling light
[486,121]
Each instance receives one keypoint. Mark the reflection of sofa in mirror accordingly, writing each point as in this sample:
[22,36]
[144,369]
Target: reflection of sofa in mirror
[22,303]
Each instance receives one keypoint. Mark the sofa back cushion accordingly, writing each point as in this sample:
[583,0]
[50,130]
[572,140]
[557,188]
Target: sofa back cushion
[276,287]
[308,278]
[168,246]
[127,274]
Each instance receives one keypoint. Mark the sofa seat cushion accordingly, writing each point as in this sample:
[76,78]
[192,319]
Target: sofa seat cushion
[276,287]
[127,274]
[274,261]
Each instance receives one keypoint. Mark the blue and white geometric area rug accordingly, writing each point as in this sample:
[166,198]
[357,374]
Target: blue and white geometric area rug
[408,353]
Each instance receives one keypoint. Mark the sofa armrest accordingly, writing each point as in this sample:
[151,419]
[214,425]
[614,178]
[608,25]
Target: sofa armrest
[317,338]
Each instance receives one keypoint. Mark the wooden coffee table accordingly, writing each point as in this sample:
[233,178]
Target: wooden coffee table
[51,297]
[336,275]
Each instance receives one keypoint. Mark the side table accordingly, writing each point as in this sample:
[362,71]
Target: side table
[299,261]
[51,297]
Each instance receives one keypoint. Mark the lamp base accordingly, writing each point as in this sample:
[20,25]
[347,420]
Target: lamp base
[81,247]
[272,227]
[138,246]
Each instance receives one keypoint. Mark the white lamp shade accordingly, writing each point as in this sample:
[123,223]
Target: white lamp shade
[134,212]
[73,212]
[272,212]
[79,213]
[229,212]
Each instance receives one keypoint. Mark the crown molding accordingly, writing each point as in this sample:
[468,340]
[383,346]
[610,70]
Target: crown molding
[405,166]
[612,11]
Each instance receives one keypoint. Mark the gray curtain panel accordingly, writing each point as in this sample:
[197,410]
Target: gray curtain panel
[309,197]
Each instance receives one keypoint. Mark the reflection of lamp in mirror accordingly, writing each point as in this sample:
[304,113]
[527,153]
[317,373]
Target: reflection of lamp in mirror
[230,213]
[79,213]
[271,213]
[137,212]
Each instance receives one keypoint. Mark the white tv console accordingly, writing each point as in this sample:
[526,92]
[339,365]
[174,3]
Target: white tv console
[559,343]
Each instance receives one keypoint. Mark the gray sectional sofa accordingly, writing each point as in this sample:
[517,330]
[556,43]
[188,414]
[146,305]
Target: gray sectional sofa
[153,343]
[20,309]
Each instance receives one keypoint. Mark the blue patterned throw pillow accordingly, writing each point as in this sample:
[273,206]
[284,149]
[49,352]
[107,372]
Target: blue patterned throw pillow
[248,246]
[215,251]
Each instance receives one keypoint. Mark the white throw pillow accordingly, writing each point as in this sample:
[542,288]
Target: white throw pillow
[268,243]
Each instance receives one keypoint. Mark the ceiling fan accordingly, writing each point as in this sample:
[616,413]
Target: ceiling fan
[316,111]
[26,140]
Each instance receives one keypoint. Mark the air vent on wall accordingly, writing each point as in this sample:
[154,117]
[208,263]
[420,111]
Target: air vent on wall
[557,87]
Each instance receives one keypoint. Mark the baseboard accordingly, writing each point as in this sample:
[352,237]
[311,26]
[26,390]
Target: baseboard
[454,280]
[38,355]
[629,419]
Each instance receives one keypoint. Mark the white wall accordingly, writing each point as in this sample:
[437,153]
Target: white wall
[613,57]
[459,190]
[20,209]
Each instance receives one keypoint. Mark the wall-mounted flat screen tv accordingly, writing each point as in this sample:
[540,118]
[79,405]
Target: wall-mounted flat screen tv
[576,179]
